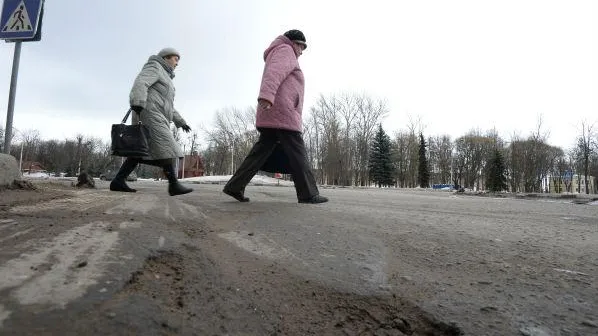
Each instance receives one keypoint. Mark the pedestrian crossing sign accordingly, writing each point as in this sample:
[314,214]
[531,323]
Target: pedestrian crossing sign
[19,19]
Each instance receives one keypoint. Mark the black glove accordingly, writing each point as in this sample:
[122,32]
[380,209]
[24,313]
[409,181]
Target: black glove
[137,109]
[186,128]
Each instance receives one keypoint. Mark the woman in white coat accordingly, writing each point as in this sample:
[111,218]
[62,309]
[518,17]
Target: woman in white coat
[152,98]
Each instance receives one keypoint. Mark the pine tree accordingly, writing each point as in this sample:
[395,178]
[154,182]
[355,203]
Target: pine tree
[423,171]
[496,179]
[380,163]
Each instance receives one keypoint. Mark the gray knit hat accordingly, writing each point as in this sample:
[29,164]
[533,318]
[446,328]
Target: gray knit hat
[169,52]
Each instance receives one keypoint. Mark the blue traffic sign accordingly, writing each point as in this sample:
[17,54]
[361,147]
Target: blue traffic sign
[20,19]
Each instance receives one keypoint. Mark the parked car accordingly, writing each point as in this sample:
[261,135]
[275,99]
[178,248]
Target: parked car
[109,175]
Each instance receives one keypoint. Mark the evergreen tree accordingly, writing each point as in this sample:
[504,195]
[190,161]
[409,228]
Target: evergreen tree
[424,172]
[496,179]
[380,163]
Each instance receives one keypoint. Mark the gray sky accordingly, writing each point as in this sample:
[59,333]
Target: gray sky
[456,64]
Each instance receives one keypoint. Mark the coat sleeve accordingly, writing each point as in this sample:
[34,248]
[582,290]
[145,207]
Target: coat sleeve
[146,78]
[178,120]
[279,64]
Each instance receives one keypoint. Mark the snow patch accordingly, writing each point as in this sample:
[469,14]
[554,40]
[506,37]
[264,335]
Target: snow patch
[256,180]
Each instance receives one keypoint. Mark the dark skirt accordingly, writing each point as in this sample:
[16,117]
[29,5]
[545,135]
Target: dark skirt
[277,162]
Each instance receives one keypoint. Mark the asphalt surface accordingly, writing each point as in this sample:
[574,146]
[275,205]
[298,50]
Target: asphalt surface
[486,266]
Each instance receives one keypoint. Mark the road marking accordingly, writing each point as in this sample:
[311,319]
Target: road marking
[260,245]
[193,210]
[177,209]
[135,204]
[81,201]
[20,233]
[7,223]
[256,244]
[167,212]
[370,264]
[50,274]
[4,314]
[130,225]
[373,269]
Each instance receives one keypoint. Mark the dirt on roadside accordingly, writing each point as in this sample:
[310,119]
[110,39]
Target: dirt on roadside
[192,291]
[33,193]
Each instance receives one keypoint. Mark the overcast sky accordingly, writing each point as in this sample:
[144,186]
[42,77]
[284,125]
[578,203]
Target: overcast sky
[457,64]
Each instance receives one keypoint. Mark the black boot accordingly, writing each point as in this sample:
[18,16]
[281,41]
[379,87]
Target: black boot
[118,182]
[314,200]
[239,196]
[174,187]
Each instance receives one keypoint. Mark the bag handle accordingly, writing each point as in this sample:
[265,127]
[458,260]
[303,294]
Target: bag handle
[127,116]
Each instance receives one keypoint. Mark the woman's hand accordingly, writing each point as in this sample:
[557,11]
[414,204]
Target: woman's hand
[264,104]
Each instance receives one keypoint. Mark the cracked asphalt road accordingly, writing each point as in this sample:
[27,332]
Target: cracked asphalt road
[369,262]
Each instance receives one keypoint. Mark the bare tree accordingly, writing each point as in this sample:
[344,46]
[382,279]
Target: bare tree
[440,150]
[401,159]
[231,137]
[473,151]
[414,128]
[29,144]
[586,146]
[338,133]
[193,141]
[559,170]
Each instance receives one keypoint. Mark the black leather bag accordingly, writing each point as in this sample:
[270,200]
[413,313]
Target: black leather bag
[130,140]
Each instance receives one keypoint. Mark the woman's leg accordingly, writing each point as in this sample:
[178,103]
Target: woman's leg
[174,187]
[253,162]
[118,182]
[305,182]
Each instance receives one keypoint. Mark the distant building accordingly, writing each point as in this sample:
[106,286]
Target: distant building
[575,184]
[32,167]
[191,166]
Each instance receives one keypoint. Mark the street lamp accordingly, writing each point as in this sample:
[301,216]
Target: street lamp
[232,157]
[183,172]
[232,153]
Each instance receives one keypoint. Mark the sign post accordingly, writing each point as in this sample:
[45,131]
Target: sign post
[19,22]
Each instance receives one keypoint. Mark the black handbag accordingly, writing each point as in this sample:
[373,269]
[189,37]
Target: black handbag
[130,140]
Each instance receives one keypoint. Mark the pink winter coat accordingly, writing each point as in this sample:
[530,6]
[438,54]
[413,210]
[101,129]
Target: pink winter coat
[282,85]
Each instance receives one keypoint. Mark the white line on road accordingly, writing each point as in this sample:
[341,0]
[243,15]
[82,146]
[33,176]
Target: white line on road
[20,233]
[257,244]
[51,274]
[4,314]
[6,223]
[138,204]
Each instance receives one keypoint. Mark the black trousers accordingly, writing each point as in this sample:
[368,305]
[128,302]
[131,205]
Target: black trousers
[294,148]
[131,163]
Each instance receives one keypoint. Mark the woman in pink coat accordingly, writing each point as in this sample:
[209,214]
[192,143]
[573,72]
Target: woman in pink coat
[279,120]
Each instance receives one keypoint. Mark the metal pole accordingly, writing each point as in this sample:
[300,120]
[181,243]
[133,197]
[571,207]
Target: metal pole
[183,173]
[21,159]
[11,97]
[232,157]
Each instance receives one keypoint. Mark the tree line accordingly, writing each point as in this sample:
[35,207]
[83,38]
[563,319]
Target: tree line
[340,132]
[347,146]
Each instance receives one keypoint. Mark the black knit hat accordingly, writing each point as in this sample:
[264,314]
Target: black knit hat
[296,36]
